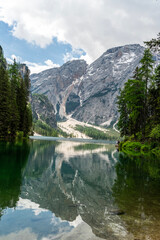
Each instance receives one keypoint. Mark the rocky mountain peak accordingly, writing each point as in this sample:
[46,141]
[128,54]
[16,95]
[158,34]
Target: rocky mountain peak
[124,48]
[101,84]
[24,70]
[89,92]
[56,83]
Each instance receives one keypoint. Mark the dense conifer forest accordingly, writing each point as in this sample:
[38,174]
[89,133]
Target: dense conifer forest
[139,100]
[15,110]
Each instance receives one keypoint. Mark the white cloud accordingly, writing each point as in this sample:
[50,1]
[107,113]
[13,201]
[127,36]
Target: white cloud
[77,221]
[68,57]
[91,25]
[24,234]
[23,204]
[36,68]
[11,59]
[74,54]
[87,58]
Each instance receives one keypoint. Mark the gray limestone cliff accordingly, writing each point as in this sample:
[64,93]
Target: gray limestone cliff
[57,83]
[89,93]
[43,110]
[99,87]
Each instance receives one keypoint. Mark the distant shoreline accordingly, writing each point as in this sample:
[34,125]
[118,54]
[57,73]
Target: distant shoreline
[45,138]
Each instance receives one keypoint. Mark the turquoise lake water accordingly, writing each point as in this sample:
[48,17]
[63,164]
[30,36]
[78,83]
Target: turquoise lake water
[76,190]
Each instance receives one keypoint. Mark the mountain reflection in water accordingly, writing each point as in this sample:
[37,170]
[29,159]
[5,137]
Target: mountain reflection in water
[71,190]
[74,179]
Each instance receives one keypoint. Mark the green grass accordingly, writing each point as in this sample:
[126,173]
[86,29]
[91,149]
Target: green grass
[97,134]
[156,151]
[133,147]
[44,129]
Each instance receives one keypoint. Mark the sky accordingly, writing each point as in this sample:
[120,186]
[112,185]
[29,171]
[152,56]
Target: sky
[47,33]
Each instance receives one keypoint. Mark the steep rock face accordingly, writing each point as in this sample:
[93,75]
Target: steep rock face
[24,70]
[56,83]
[89,93]
[43,110]
[99,87]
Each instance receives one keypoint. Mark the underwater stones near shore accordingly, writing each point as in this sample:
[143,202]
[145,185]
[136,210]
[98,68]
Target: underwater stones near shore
[116,212]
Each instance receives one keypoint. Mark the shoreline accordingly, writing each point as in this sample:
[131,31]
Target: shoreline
[139,147]
[85,140]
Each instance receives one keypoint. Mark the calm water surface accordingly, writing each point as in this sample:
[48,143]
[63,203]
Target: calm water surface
[70,190]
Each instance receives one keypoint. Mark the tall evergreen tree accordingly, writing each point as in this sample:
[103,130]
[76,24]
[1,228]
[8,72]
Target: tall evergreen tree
[146,68]
[157,77]
[146,71]
[135,102]
[156,95]
[130,105]
[4,103]
[22,100]
[123,123]
[14,115]
[14,81]
[20,85]
[3,62]
[27,124]
[22,103]
[15,112]
[154,44]
[135,98]
[27,82]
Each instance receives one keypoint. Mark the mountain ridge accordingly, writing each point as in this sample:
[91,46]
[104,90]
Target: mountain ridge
[89,92]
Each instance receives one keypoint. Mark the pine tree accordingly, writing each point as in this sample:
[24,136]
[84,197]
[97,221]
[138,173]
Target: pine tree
[27,124]
[135,99]
[14,76]
[15,112]
[135,103]
[156,95]
[139,101]
[123,123]
[4,103]
[152,107]
[27,82]
[3,62]
[157,77]
[21,103]
[131,105]
[14,115]
[146,71]
[22,100]
[154,44]
[14,81]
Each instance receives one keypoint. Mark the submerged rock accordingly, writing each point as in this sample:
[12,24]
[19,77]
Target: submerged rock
[116,212]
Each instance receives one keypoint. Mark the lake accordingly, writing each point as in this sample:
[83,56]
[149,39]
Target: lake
[76,190]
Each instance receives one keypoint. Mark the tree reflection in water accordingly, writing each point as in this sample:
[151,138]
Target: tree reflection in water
[137,192]
[13,158]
